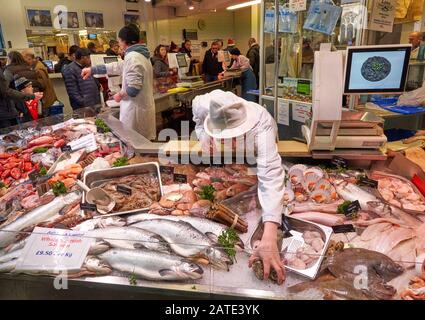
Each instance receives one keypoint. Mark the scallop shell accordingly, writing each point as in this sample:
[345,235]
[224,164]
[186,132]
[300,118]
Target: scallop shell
[296,173]
[323,184]
[321,196]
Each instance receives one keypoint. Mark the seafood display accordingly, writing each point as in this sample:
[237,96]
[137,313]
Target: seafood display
[133,192]
[307,255]
[177,203]
[400,193]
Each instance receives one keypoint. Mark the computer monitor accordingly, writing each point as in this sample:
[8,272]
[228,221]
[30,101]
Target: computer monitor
[224,56]
[110,59]
[181,60]
[49,64]
[178,60]
[376,69]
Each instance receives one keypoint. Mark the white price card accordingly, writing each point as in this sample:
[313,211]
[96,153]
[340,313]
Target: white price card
[87,142]
[283,112]
[62,124]
[54,250]
[382,16]
[297,5]
[301,112]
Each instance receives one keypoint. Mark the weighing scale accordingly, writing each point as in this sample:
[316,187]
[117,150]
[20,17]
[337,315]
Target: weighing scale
[181,61]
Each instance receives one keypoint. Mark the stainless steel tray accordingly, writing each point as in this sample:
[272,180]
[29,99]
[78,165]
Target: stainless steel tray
[300,226]
[92,178]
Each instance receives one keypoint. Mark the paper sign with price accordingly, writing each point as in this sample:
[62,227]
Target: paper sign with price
[54,250]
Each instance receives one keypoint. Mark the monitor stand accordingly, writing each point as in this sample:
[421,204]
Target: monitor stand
[354,99]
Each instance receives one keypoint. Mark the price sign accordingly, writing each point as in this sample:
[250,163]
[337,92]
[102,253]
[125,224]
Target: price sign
[368,182]
[352,209]
[166,170]
[345,228]
[180,178]
[87,142]
[88,207]
[54,250]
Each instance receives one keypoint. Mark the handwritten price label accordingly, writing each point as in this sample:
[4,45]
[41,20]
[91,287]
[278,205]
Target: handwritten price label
[54,250]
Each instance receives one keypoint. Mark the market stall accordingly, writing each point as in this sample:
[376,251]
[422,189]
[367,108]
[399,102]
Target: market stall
[167,213]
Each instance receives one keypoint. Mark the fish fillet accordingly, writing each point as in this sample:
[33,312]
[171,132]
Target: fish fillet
[390,240]
[374,230]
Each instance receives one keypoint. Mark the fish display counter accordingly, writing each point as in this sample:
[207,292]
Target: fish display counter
[144,228]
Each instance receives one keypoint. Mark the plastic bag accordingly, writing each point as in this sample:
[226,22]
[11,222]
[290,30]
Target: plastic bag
[269,22]
[322,17]
[288,20]
[413,98]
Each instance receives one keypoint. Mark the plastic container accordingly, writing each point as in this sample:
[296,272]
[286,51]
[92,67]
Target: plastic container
[56,109]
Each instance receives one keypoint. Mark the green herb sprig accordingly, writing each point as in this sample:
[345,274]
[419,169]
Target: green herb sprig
[132,280]
[43,171]
[59,188]
[343,207]
[120,162]
[41,150]
[207,193]
[102,125]
[227,241]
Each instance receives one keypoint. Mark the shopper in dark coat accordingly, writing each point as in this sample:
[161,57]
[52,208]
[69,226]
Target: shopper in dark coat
[63,61]
[160,64]
[254,58]
[114,48]
[17,66]
[211,67]
[8,112]
[82,93]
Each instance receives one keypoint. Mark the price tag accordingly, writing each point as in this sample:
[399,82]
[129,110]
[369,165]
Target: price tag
[124,190]
[166,170]
[54,250]
[88,206]
[62,125]
[339,162]
[368,182]
[352,208]
[87,142]
[66,149]
[180,178]
[345,228]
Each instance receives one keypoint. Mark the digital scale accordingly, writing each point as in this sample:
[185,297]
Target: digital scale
[181,61]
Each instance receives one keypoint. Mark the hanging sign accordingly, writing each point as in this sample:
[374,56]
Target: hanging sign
[283,112]
[297,5]
[382,16]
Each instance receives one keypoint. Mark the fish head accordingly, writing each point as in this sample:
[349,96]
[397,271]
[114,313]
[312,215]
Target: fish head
[389,270]
[111,222]
[97,266]
[381,208]
[217,257]
[99,247]
[381,290]
[184,270]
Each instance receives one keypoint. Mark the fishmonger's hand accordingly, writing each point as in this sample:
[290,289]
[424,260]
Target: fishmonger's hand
[268,252]
[86,73]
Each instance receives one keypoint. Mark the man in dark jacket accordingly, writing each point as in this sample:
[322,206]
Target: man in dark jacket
[8,113]
[82,93]
[254,58]
[63,61]
[211,67]
[114,48]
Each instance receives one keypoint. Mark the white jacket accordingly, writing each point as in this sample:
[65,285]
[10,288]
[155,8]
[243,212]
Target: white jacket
[269,163]
[137,110]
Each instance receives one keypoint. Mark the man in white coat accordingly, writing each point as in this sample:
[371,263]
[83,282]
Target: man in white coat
[223,116]
[137,104]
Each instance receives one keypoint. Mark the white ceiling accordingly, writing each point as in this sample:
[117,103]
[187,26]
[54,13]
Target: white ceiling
[200,5]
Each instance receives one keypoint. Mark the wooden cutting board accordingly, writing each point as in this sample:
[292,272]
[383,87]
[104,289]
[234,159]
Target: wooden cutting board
[416,155]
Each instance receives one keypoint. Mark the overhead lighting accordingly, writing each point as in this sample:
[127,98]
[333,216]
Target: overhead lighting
[61,34]
[147,0]
[190,5]
[244,4]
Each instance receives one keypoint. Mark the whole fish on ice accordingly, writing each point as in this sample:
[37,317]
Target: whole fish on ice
[9,233]
[152,265]
[187,241]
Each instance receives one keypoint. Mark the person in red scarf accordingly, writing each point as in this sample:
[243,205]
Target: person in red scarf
[28,110]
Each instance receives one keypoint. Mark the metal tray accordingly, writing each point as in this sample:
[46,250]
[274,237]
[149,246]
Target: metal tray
[301,226]
[92,178]
[377,175]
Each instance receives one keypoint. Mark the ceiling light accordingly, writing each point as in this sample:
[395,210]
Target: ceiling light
[190,5]
[244,4]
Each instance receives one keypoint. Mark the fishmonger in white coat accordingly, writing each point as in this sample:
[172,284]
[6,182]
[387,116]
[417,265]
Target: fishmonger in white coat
[224,116]
[137,104]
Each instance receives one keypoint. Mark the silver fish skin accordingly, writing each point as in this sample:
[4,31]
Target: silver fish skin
[15,246]
[152,265]
[10,256]
[212,229]
[8,266]
[187,241]
[130,238]
[95,223]
[368,202]
[34,217]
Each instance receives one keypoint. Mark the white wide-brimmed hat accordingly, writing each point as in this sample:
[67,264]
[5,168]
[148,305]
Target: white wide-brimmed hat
[229,116]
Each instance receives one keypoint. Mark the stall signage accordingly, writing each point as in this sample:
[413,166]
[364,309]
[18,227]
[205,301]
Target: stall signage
[301,112]
[87,142]
[339,162]
[54,250]
[283,112]
[297,5]
[88,207]
[62,125]
[368,182]
[345,228]
[124,190]
[180,178]
[166,170]
[382,16]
